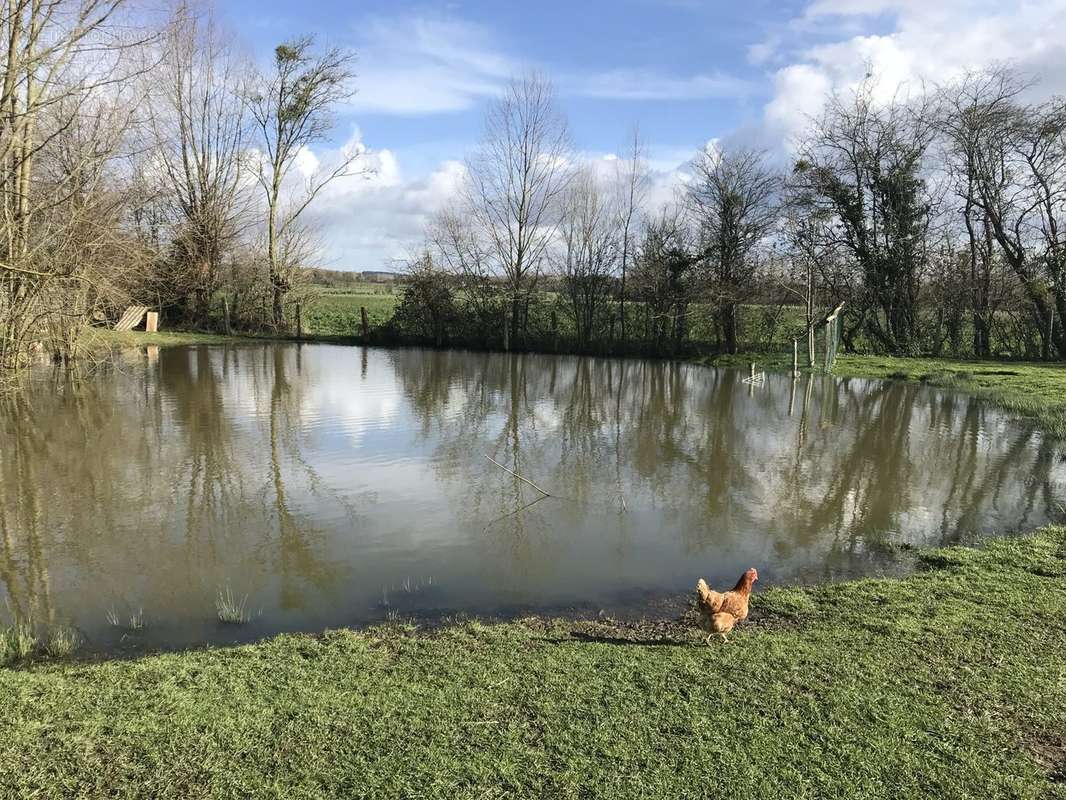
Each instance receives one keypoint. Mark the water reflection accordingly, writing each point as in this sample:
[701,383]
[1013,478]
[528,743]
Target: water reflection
[334,485]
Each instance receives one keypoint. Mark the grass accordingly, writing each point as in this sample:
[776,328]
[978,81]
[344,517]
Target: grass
[17,643]
[231,609]
[134,622]
[336,314]
[61,642]
[948,683]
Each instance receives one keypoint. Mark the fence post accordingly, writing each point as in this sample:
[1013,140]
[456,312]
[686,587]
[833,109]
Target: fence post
[151,322]
[1049,333]
[364,321]
[828,336]
[299,322]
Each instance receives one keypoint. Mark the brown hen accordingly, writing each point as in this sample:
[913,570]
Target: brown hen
[720,611]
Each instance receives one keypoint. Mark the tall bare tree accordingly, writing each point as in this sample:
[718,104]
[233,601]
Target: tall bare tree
[733,196]
[515,182]
[198,118]
[292,106]
[588,253]
[1013,159]
[974,107]
[632,183]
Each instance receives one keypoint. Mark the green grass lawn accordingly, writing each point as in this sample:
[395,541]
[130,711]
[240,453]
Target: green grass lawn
[949,683]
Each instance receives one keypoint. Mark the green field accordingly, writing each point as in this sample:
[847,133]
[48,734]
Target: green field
[336,313]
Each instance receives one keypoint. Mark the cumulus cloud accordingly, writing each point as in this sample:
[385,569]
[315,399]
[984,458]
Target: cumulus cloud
[374,218]
[924,42]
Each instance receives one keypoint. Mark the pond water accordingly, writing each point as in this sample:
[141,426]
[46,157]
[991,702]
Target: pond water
[335,486]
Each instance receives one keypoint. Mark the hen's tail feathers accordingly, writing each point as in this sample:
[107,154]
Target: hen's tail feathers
[708,599]
[703,591]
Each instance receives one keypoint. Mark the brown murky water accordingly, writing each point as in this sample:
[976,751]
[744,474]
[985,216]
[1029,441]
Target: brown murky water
[334,485]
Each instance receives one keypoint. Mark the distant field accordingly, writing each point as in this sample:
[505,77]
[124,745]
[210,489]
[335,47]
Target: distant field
[335,312]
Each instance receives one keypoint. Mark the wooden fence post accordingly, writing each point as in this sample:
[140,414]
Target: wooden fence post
[364,321]
[828,336]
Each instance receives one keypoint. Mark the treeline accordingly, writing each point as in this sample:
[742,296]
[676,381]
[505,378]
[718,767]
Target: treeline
[147,161]
[938,220]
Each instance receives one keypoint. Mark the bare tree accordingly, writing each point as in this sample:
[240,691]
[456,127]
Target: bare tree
[733,196]
[515,182]
[662,279]
[292,106]
[975,105]
[64,109]
[200,133]
[588,253]
[632,185]
[1012,160]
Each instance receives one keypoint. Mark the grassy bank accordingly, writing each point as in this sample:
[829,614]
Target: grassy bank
[948,683]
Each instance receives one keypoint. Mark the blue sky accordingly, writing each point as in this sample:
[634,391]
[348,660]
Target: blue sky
[685,71]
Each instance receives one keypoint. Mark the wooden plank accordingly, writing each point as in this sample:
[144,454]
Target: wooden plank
[131,318]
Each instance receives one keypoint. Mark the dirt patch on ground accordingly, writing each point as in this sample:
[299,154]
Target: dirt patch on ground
[1050,753]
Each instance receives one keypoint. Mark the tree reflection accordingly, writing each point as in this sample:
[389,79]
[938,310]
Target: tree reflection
[823,469]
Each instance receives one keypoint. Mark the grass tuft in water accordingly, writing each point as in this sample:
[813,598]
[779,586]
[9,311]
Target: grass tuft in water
[17,643]
[232,610]
[134,622]
[62,641]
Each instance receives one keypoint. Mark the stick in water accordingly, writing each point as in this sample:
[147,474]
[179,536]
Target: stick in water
[526,480]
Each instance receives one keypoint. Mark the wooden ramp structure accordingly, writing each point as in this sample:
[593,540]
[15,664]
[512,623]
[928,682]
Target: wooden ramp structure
[131,318]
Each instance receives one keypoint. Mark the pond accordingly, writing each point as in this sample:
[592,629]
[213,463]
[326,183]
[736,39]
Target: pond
[324,486]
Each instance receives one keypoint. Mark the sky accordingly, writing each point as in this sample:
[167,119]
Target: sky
[683,72]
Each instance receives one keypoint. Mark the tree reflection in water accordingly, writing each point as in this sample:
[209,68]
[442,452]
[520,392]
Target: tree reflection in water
[335,484]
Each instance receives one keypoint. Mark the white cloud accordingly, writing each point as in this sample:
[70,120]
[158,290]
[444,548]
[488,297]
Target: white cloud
[423,65]
[631,84]
[370,221]
[927,42]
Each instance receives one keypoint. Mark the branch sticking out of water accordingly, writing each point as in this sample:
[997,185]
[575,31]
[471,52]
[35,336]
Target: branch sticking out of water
[524,480]
[517,511]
